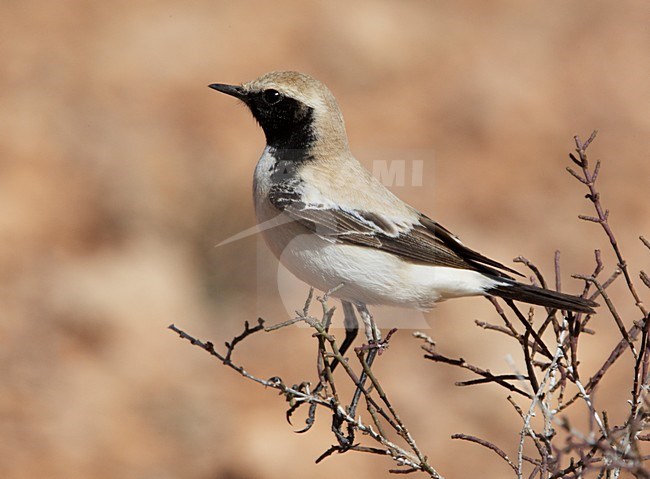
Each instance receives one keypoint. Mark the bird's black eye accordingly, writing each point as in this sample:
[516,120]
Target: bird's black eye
[271,97]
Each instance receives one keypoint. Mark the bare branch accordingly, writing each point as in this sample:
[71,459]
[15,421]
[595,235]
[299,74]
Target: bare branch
[488,445]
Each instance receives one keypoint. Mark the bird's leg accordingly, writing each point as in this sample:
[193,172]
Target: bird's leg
[374,336]
[351,324]
[372,331]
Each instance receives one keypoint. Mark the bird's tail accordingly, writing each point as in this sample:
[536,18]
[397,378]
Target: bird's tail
[509,289]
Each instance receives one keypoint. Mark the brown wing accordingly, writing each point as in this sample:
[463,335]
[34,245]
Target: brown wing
[424,242]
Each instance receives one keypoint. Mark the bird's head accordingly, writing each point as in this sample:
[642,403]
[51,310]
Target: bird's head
[294,110]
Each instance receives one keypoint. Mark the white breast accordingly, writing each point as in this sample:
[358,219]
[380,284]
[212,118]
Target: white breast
[277,237]
[262,181]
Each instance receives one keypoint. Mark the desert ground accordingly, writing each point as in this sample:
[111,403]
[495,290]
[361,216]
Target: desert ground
[121,172]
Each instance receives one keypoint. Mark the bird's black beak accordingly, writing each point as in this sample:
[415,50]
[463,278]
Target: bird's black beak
[232,90]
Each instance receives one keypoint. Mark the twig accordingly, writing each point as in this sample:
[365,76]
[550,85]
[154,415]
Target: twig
[590,178]
[612,309]
[327,396]
[488,445]
[485,374]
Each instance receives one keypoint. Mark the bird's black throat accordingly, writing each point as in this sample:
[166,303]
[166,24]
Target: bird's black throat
[288,125]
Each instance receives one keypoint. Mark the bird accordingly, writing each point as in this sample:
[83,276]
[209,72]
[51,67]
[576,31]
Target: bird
[340,230]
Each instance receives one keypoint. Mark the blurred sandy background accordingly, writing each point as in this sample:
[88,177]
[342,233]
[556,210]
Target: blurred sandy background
[120,171]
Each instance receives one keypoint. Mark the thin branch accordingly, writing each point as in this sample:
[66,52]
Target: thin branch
[602,214]
[327,396]
[488,445]
[485,374]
